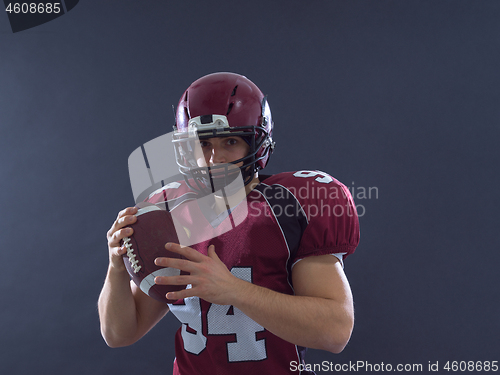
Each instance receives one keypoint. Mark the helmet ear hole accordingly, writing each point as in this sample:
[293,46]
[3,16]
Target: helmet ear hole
[229,108]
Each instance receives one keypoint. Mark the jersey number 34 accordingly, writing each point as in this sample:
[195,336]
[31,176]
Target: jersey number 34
[219,322]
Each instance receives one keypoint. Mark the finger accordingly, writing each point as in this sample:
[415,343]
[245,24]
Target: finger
[211,252]
[181,294]
[180,264]
[116,257]
[116,245]
[125,217]
[119,235]
[126,220]
[118,251]
[174,280]
[119,224]
[127,211]
[185,251]
[121,250]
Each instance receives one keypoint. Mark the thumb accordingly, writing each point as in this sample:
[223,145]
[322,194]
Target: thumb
[211,252]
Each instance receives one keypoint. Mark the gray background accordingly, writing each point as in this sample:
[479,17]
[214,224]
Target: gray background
[398,95]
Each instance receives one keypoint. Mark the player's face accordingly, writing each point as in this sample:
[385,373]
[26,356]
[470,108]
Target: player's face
[220,150]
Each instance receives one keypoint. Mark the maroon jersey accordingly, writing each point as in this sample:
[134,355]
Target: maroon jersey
[287,217]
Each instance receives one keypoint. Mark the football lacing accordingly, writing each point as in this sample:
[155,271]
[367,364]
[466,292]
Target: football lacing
[131,256]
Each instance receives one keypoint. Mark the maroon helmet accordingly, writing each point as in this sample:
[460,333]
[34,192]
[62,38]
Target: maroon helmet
[219,105]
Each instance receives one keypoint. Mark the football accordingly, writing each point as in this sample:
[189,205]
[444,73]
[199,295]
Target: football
[153,228]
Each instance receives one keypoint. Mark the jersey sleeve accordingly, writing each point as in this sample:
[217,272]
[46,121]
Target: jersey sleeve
[332,220]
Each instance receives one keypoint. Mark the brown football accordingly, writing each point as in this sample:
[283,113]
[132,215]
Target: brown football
[153,228]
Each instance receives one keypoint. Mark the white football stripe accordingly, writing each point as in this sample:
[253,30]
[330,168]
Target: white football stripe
[147,209]
[149,280]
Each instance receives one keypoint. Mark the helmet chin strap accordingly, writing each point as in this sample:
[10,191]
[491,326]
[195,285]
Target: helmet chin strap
[248,174]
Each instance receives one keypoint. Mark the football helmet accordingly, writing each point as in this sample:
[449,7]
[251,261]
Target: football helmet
[221,105]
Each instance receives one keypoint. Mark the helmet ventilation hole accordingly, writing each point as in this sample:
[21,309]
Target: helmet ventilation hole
[229,108]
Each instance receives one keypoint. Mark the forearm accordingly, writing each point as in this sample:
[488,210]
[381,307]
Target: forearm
[319,316]
[312,322]
[117,310]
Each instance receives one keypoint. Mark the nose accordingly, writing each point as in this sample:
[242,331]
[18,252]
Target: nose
[217,155]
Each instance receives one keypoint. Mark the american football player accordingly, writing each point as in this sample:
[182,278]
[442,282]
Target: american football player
[262,291]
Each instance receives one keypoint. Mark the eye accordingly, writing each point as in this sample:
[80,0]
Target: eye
[204,144]
[232,141]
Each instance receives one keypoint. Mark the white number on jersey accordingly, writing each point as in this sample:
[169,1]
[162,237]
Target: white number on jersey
[324,178]
[189,315]
[222,321]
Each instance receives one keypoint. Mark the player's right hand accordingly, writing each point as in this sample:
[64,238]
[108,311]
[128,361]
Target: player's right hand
[117,232]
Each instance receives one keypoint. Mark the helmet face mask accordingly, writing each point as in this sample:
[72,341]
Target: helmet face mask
[222,105]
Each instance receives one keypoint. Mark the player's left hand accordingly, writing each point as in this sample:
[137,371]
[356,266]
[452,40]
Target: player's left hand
[208,275]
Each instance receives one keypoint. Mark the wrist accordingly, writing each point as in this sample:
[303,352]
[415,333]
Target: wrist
[243,293]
